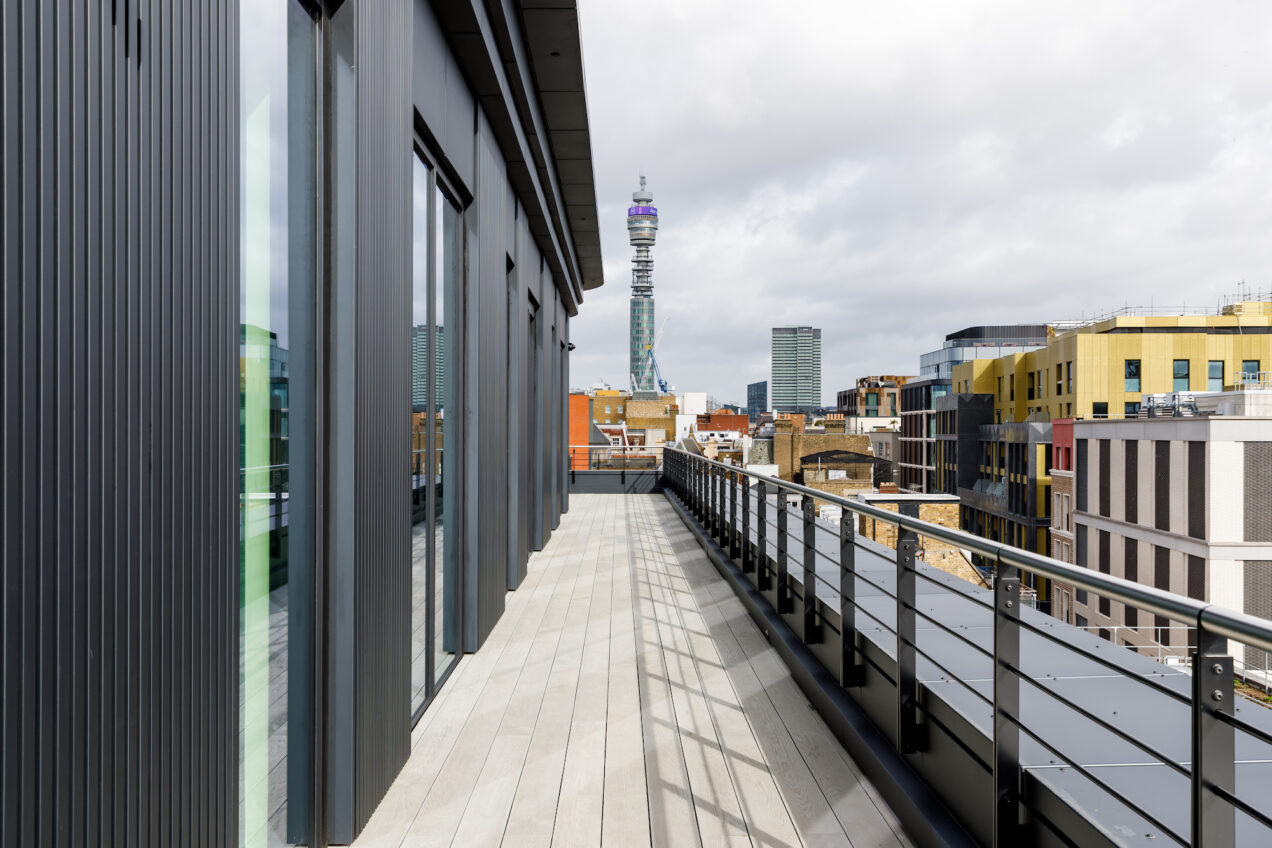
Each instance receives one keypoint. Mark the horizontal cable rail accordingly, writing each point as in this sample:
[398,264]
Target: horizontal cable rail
[1245,628]
[780,557]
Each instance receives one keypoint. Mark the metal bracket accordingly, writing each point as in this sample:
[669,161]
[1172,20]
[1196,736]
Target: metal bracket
[1213,742]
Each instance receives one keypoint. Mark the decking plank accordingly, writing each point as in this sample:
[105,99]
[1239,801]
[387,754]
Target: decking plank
[626,698]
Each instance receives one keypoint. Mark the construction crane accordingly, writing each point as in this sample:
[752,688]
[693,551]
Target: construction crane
[663,385]
[651,362]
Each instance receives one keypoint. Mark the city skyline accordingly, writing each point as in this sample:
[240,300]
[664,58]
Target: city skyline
[1085,182]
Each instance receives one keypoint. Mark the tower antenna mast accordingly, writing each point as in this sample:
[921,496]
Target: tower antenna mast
[642,231]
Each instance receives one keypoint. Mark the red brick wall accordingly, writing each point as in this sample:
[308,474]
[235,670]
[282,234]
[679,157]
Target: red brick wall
[724,421]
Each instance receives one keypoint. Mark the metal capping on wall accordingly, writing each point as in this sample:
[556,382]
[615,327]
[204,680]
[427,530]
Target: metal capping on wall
[118,713]
[382,521]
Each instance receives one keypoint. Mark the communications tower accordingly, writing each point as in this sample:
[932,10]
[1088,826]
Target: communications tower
[642,229]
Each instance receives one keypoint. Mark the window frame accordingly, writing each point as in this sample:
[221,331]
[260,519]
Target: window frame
[1132,383]
[1176,377]
[1210,375]
[437,182]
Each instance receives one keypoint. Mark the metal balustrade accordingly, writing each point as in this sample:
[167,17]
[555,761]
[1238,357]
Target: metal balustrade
[925,637]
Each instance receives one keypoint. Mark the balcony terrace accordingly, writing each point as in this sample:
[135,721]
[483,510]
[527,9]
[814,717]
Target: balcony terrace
[626,697]
[664,678]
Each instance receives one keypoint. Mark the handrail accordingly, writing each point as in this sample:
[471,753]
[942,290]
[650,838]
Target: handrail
[710,491]
[1244,628]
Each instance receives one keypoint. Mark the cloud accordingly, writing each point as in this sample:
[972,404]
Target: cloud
[894,172]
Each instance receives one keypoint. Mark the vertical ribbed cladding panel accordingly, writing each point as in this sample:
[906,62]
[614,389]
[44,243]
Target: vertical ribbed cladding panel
[489,350]
[118,421]
[383,626]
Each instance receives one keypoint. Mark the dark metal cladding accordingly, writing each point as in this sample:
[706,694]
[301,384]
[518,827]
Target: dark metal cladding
[118,424]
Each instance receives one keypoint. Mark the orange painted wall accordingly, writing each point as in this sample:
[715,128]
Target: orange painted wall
[580,428]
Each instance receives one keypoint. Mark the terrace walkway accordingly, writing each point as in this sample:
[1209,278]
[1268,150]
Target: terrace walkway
[626,698]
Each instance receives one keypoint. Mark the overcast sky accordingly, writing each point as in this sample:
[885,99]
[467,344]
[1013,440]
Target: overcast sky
[892,172]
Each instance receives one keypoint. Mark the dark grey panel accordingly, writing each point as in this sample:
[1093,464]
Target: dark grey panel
[1130,481]
[1103,504]
[1082,475]
[1258,491]
[118,424]
[371,582]
[1161,479]
[441,97]
[1197,490]
[1130,570]
[1103,563]
[1257,580]
[488,353]
[384,345]
[606,482]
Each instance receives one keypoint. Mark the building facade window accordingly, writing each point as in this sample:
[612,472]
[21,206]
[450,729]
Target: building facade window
[436,296]
[1180,372]
[1100,409]
[1132,375]
[1250,368]
[1131,408]
[1214,375]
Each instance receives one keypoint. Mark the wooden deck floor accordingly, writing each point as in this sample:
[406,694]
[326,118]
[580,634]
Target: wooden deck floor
[625,698]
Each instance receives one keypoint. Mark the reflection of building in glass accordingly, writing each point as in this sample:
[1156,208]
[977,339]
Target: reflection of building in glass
[419,366]
[258,346]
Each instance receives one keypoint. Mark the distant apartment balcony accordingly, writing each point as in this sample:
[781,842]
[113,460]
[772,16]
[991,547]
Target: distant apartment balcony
[666,677]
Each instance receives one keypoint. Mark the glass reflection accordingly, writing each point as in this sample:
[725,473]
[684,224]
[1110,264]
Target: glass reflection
[446,281]
[277,134]
[420,391]
[437,264]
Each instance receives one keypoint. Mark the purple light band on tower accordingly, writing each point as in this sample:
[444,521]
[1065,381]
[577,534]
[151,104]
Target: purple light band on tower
[642,210]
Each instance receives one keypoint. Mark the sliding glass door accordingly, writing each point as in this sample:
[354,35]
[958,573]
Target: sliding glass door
[436,300]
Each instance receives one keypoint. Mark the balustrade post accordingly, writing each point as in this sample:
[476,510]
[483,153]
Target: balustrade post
[714,529]
[721,515]
[748,556]
[907,639]
[710,502]
[784,604]
[1213,742]
[812,634]
[1006,707]
[692,470]
[763,577]
[734,548]
[852,666]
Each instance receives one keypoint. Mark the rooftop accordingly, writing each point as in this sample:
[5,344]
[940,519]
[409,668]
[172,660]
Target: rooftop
[627,697]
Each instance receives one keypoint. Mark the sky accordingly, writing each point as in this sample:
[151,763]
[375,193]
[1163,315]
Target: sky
[892,172]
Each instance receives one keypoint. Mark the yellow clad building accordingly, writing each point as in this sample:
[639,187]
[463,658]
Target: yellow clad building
[1105,368]
[1098,370]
